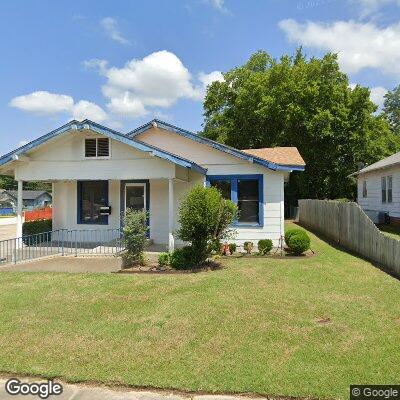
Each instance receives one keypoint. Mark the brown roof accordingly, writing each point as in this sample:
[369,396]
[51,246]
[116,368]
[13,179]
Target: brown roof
[278,155]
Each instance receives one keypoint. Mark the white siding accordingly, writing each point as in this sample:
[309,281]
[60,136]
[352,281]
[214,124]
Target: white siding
[63,159]
[373,202]
[219,163]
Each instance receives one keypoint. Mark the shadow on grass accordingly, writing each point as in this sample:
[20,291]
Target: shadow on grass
[338,246]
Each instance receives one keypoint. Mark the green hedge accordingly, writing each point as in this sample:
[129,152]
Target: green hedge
[299,243]
[34,228]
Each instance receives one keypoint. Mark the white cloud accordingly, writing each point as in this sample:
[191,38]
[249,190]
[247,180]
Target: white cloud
[359,45]
[378,95]
[46,103]
[207,79]
[218,5]
[85,109]
[368,7]
[43,103]
[110,25]
[157,80]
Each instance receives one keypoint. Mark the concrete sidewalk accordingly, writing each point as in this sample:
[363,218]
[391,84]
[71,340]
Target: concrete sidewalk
[84,392]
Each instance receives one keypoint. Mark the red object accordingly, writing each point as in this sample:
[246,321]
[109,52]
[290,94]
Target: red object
[40,213]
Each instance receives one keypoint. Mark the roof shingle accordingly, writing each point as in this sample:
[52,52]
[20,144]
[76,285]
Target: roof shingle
[278,155]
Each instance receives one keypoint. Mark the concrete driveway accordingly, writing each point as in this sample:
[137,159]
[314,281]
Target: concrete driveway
[67,264]
[7,231]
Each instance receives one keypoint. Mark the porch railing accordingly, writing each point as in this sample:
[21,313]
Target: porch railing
[75,242]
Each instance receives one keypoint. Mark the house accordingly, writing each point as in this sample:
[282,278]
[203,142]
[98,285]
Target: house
[30,199]
[378,190]
[97,173]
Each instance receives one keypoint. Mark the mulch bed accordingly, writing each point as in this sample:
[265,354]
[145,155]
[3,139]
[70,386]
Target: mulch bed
[278,256]
[152,269]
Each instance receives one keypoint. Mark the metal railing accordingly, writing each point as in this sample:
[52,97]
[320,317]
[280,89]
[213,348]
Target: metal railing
[77,242]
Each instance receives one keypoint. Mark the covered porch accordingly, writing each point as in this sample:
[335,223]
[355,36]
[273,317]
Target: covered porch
[99,206]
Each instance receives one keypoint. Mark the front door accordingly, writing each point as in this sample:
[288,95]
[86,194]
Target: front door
[135,196]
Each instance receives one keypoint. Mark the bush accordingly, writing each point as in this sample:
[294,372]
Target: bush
[36,227]
[248,246]
[232,248]
[163,260]
[182,258]
[264,246]
[204,219]
[299,243]
[292,231]
[135,230]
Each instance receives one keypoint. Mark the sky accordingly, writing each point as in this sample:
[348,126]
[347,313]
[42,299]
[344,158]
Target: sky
[122,63]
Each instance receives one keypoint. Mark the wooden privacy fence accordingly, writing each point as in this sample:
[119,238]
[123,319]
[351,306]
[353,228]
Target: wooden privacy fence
[346,224]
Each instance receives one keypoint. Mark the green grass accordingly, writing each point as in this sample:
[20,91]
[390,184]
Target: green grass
[251,327]
[390,230]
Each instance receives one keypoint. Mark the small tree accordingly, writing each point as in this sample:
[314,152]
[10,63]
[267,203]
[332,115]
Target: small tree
[204,218]
[135,229]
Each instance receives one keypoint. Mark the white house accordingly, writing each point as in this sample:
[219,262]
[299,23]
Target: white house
[92,166]
[379,189]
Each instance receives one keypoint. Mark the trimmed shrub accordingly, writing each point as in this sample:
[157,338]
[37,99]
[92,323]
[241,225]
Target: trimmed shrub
[35,228]
[204,218]
[291,232]
[135,230]
[163,260]
[182,258]
[248,247]
[232,248]
[299,243]
[264,246]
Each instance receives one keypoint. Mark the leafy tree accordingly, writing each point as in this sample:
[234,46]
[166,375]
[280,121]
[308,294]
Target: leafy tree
[391,108]
[305,103]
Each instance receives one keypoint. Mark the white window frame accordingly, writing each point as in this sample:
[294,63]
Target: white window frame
[385,180]
[97,157]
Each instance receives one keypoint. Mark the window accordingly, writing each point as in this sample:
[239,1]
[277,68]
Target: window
[246,192]
[365,191]
[224,186]
[97,147]
[387,189]
[91,196]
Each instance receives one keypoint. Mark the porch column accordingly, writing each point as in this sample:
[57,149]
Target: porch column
[171,243]
[19,209]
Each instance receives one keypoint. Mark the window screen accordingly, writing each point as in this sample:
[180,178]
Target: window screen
[383,185]
[224,186]
[389,189]
[248,199]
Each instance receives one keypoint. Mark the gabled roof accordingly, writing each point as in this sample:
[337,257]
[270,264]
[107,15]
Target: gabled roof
[385,163]
[28,194]
[112,134]
[253,158]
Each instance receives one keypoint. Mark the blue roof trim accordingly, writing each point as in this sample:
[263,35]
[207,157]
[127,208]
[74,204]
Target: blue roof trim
[219,146]
[87,124]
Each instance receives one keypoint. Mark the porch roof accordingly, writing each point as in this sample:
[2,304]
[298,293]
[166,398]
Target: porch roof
[112,134]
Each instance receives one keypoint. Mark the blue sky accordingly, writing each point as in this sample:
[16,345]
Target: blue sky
[124,62]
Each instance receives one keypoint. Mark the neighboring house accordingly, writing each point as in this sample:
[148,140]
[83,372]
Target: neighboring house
[379,189]
[92,166]
[30,199]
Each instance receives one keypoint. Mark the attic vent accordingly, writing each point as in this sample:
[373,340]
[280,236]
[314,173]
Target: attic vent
[97,147]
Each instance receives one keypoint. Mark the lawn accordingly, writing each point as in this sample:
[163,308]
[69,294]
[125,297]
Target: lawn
[254,326]
[390,230]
